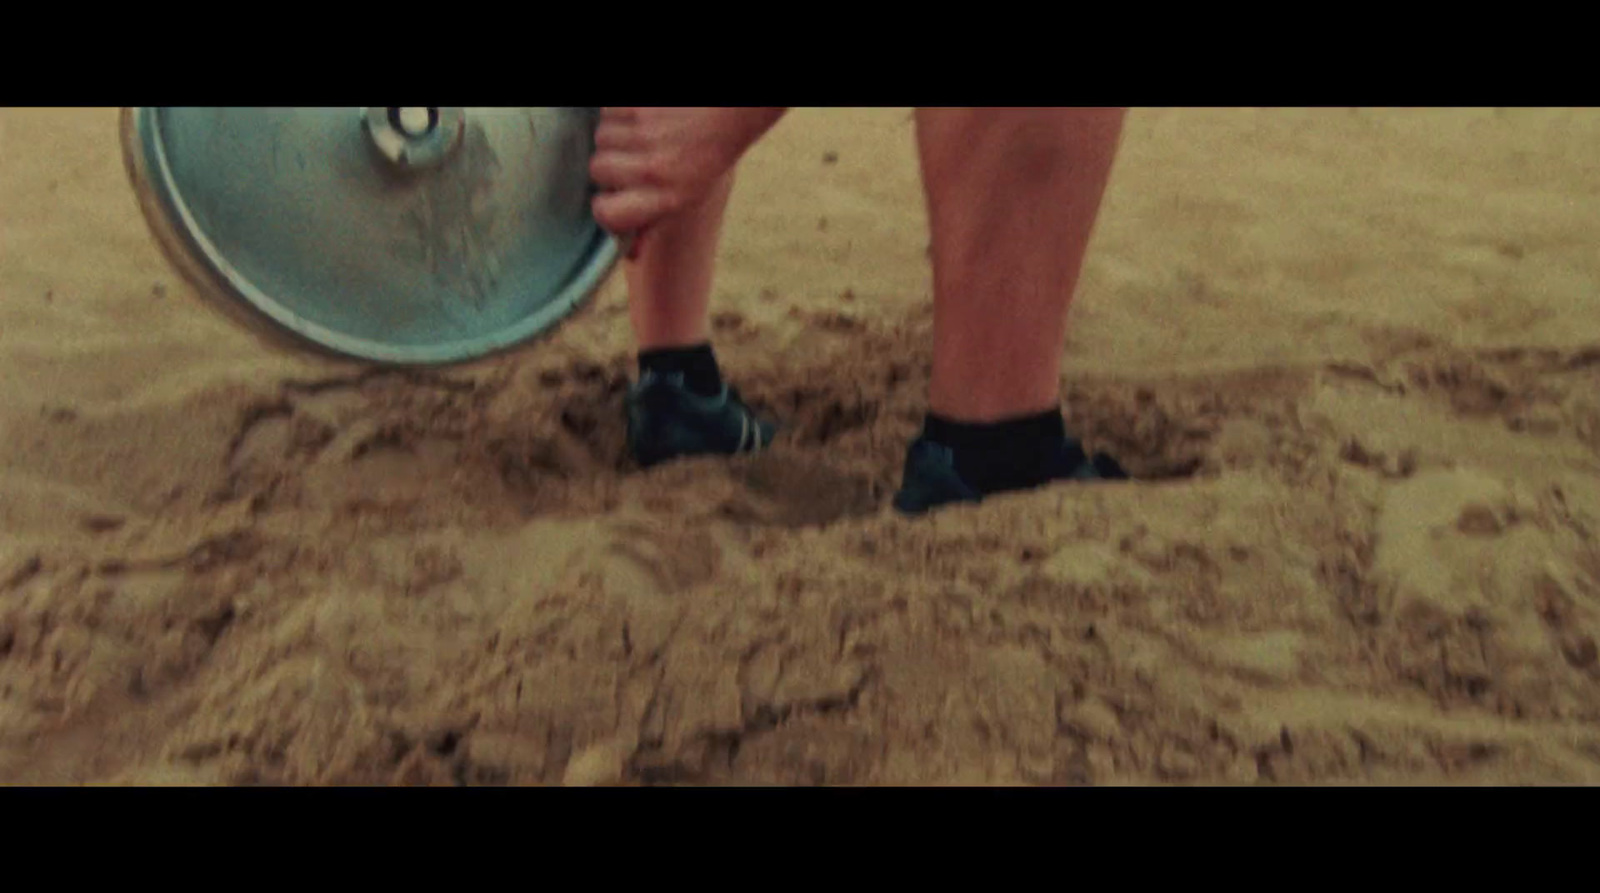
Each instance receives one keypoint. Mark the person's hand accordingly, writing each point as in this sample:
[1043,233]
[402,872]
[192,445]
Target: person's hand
[651,163]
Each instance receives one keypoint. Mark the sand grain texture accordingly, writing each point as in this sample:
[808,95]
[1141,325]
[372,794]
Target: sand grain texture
[1355,356]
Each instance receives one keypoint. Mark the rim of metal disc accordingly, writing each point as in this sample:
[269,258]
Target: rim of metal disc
[169,218]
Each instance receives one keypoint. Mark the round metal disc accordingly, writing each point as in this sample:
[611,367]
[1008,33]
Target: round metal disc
[398,235]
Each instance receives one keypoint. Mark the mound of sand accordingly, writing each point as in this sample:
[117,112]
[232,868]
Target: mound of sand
[1354,356]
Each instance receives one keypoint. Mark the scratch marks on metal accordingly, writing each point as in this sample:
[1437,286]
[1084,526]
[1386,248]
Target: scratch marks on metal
[457,221]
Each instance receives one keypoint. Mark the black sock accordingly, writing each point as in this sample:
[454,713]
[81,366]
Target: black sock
[1008,454]
[697,365]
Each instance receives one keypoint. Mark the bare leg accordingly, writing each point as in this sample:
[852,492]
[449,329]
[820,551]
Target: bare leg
[1012,199]
[669,284]
[669,291]
[667,173]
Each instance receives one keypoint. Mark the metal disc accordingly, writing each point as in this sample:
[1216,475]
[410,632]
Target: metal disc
[395,235]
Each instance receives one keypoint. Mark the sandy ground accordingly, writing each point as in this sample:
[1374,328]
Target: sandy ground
[1354,355]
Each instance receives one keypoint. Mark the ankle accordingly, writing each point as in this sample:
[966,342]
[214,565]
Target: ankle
[697,364]
[1006,454]
[1046,426]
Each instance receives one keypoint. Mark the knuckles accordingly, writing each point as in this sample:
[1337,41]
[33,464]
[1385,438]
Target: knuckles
[622,169]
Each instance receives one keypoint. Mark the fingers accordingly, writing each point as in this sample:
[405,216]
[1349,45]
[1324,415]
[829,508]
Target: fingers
[631,210]
[641,179]
[619,114]
[634,195]
[617,133]
[613,169]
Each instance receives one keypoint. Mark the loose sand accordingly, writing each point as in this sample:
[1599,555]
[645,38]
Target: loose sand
[1354,354]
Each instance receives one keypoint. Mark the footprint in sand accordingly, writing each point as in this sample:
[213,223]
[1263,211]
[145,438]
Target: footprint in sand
[800,491]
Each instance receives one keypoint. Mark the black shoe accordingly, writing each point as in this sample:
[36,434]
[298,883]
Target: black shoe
[666,421]
[931,480]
